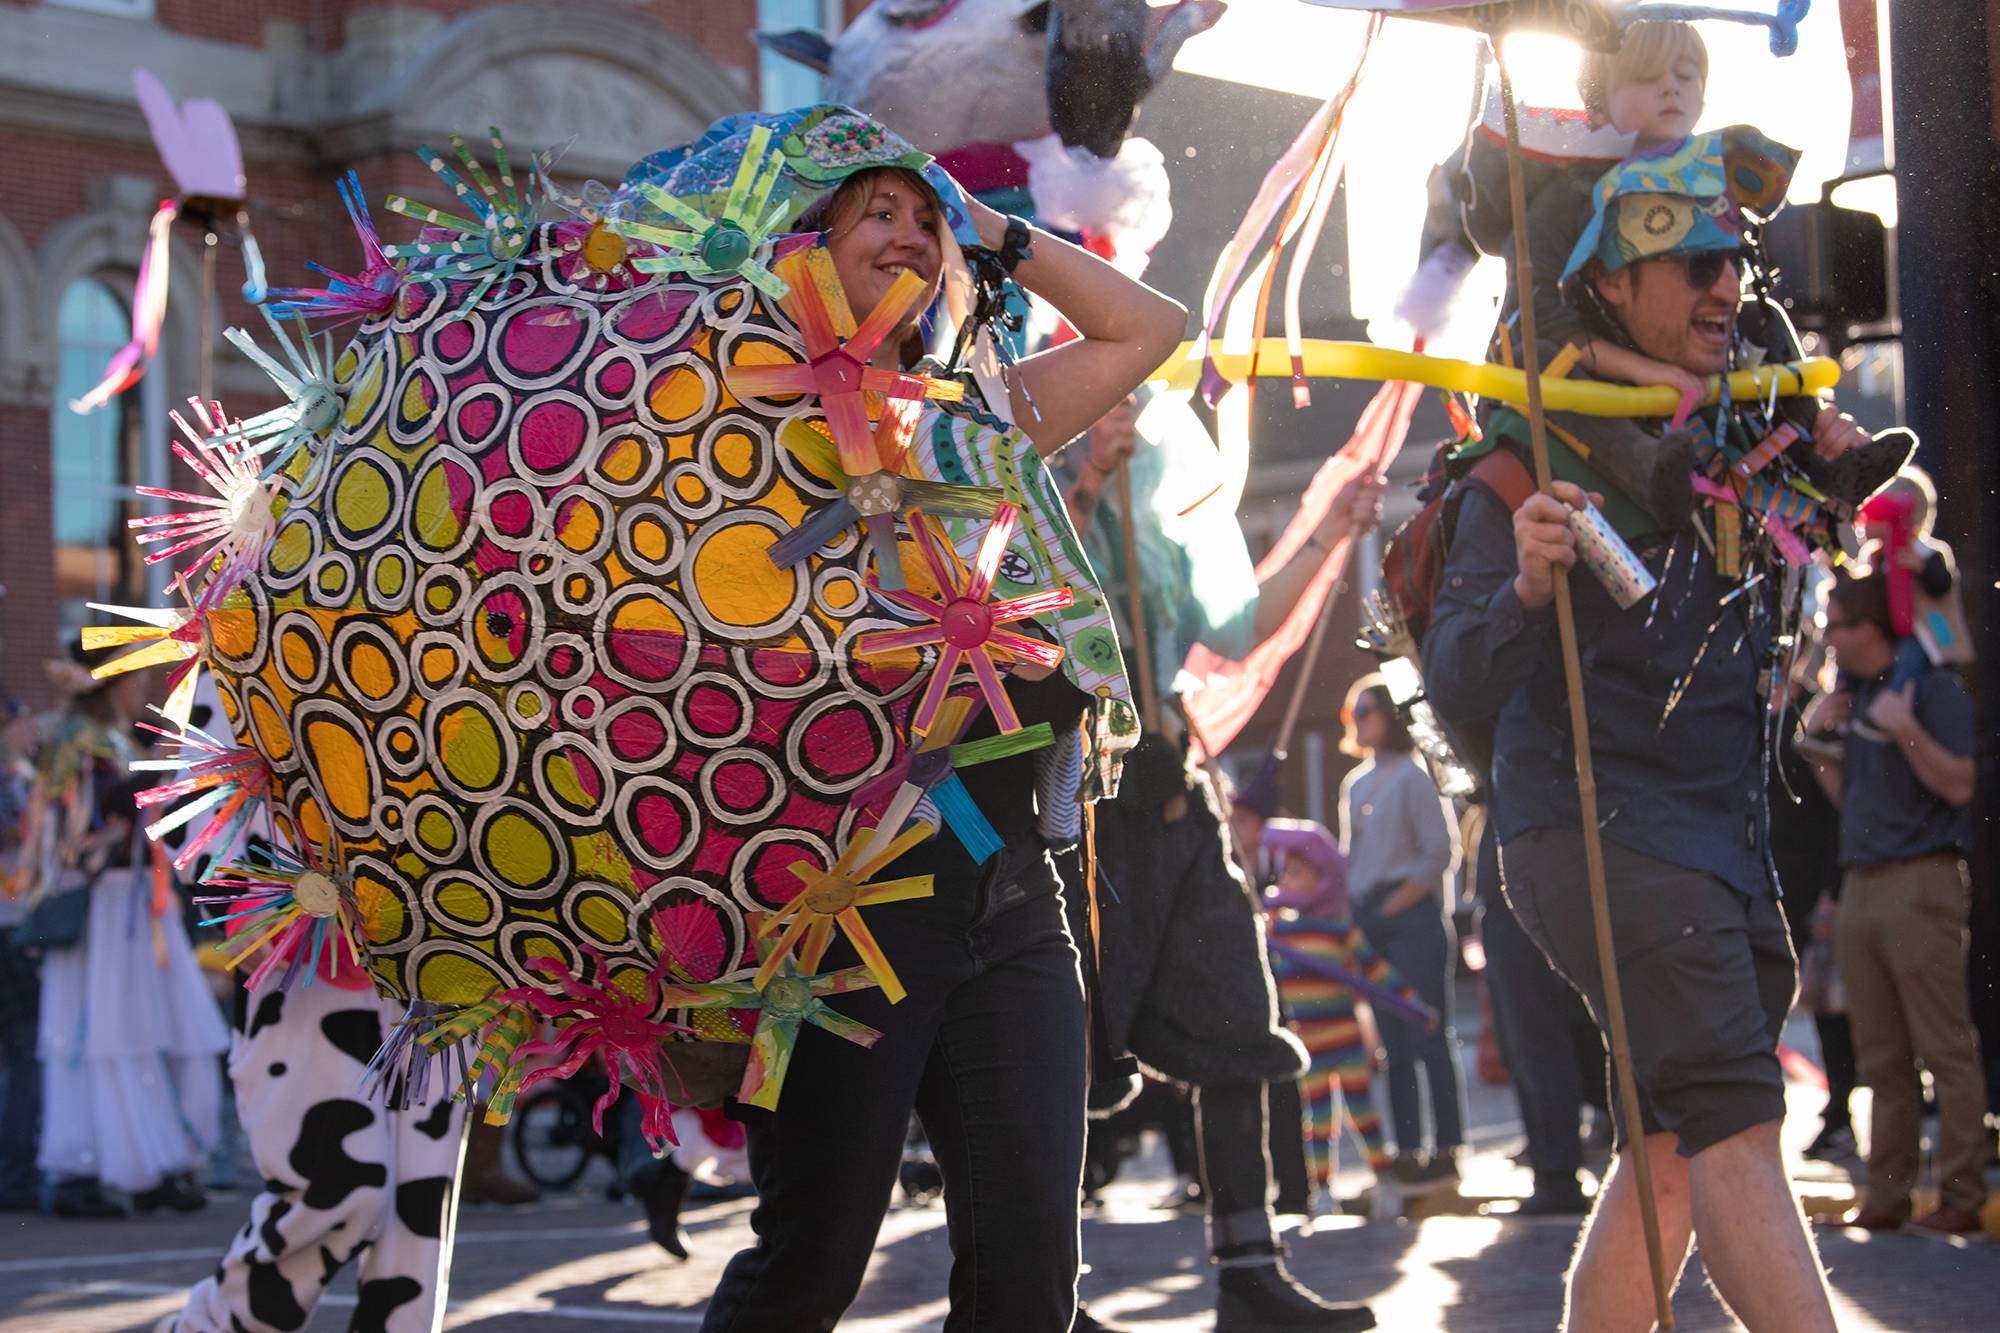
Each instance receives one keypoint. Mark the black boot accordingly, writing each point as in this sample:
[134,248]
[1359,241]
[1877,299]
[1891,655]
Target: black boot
[663,1196]
[1086,1322]
[1850,479]
[1254,1294]
[84,1197]
[177,1192]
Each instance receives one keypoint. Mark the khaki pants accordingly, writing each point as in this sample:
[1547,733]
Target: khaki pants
[1902,942]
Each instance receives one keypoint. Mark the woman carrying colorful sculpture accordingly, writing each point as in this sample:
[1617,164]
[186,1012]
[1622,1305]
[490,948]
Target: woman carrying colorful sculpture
[988,1045]
[635,600]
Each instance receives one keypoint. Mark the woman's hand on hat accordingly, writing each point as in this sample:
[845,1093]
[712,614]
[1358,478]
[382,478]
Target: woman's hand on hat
[992,226]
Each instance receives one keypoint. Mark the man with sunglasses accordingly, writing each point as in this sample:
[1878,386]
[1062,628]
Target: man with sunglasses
[1675,688]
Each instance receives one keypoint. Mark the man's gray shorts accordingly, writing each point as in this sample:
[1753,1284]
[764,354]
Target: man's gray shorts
[1708,978]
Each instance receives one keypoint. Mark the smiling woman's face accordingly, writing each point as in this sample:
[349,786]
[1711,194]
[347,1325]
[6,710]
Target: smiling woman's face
[897,228]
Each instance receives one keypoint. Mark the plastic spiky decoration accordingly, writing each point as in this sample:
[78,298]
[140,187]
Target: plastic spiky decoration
[369,294]
[838,352]
[929,773]
[217,779]
[784,1003]
[492,242]
[835,896]
[588,248]
[304,907]
[496,1027]
[305,377]
[228,530]
[614,1025]
[724,245]
[878,499]
[173,637]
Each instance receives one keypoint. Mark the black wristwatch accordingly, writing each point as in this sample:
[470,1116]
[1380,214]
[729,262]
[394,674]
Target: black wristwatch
[1016,244]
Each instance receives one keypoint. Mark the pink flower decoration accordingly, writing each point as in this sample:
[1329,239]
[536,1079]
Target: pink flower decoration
[967,623]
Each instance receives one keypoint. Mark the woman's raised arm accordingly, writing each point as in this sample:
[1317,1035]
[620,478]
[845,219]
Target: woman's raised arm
[1128,330]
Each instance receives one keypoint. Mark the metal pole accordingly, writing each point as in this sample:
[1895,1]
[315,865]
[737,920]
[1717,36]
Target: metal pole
[1579,723]
[206,351]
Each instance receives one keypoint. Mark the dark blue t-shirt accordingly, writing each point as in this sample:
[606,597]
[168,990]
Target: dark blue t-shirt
[1886,814]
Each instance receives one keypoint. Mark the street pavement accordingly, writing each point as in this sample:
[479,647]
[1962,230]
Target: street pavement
[581,1262]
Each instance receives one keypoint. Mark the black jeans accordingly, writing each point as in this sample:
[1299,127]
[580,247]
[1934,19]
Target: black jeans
[1418,945]
[1233,1127]
[1291,1181]
[1836,1047]
[988,1047]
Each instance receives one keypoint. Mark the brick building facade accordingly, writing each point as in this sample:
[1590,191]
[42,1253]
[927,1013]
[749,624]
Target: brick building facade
[315,87]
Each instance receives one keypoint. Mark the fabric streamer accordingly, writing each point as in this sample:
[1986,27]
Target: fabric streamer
[1226,694]
[149,309]
[198,147]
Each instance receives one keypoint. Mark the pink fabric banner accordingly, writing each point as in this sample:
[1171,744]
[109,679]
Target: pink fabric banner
[1230,692]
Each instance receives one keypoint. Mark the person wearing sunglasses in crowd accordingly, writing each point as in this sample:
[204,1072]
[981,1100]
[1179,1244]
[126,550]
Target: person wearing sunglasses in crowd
[1675,686]
[1396,832]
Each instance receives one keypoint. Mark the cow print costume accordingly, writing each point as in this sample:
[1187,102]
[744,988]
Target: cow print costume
[344,1176]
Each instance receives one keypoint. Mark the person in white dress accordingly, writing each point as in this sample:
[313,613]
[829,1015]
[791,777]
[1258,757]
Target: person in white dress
[129,1035]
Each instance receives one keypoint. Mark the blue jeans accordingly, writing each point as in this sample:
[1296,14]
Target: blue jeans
[988,1048]
[1416,944]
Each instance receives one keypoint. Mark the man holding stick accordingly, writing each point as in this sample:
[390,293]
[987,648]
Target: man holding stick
[1675,697]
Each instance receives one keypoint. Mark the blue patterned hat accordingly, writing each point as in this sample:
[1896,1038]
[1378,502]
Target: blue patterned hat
[1684,198]
[820,145]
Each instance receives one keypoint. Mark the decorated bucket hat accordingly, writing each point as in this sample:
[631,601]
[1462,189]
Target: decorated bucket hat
[1684,198]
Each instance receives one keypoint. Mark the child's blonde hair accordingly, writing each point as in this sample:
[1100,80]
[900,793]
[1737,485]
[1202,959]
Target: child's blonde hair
[1649,49]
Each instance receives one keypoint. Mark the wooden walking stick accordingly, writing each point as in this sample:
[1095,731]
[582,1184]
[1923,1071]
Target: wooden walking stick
[1149,701]
[1142,646]
[1306,665]
[1586,779]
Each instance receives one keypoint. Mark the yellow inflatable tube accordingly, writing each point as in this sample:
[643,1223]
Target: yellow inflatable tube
[1325,359]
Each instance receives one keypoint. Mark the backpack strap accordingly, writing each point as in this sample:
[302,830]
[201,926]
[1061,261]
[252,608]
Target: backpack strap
[1502,472]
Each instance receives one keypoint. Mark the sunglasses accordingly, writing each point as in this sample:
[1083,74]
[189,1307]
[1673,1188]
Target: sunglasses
[1703,269]
[1362,710]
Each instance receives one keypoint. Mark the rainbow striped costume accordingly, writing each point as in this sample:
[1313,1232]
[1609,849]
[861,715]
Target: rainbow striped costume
[1310,956]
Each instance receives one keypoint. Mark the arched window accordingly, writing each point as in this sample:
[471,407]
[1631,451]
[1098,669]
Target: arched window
[95,462]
